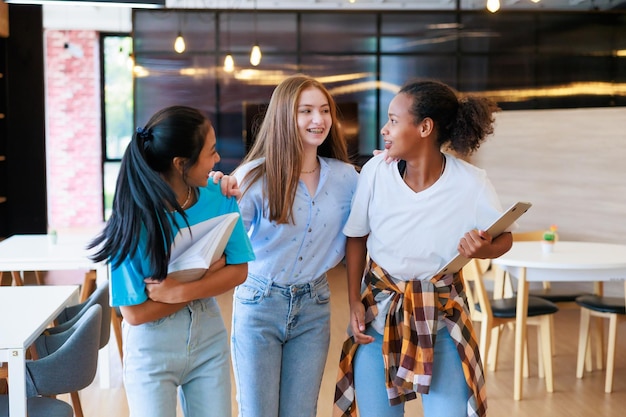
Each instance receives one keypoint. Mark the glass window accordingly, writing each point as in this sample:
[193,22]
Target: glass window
[243,95]
[397,70]
[338,32]
[494,72]
[580,34]
[157,31]
[497,32]
[275,32]
[165,80]
[117,59]
[352,82]
[423,32]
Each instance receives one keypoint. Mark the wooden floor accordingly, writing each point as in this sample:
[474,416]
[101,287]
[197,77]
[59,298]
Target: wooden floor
[572,397]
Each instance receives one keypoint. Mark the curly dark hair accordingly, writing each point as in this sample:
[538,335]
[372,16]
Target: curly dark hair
[462,122]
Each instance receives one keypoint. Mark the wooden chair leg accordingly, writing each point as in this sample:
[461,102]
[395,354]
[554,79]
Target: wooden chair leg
[89,285]
[583,341]
[39,277]
[78,408]
[526,370]
[493,348]
[598,338]
[17,278]
[588,358]
[5,279]
[116,322]
[540,351]
[546,343]
[610,355]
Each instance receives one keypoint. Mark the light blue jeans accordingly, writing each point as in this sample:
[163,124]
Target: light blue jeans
[279,343]
[448,392]
[185,353]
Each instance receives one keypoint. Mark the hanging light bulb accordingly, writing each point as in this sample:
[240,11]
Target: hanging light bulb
[179,44]
[535,1]
[229,63]
[493,5]
[255,55]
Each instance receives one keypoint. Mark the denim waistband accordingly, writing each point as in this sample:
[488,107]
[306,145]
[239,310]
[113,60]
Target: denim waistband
[292,290]
[202,304]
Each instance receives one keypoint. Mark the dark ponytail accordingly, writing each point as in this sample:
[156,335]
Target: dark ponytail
[142,196]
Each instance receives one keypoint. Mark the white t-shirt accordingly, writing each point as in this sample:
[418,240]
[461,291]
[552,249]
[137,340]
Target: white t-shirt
[412,235]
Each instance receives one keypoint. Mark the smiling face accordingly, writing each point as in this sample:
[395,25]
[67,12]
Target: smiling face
[313,118]
[400,132]
[198,173]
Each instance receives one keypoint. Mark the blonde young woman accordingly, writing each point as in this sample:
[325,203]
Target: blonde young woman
[296,185]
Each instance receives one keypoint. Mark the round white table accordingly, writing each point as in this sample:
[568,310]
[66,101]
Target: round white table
[570,261]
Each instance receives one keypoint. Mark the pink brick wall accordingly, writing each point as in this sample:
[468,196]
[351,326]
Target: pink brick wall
[73,130]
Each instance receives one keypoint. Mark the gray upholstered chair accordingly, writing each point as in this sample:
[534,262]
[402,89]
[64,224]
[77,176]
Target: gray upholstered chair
[68,362]
[72,314]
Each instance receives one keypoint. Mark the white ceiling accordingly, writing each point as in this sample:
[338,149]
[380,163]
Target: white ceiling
[118,19]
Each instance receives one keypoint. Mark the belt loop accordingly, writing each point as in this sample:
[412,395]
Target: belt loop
[268,287]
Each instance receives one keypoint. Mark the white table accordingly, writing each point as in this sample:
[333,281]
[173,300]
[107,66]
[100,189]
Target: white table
[25,312]
[569,262]
[20,253]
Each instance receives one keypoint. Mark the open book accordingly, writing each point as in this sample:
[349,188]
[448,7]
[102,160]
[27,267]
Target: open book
[193,252]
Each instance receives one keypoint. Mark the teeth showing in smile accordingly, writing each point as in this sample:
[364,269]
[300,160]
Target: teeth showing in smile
[316,131]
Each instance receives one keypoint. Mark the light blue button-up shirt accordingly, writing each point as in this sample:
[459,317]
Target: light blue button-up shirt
[298,253]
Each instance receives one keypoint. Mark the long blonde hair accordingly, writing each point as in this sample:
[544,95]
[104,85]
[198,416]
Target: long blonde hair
[279,142]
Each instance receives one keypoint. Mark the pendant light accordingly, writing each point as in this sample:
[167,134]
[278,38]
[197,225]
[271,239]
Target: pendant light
[493,5]
[229,62]
[255,53]
[179,43]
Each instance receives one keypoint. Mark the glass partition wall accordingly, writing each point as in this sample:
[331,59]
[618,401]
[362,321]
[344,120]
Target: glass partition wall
[524,60]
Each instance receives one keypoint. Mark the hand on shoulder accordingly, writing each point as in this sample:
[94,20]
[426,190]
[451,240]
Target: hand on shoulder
[228,184]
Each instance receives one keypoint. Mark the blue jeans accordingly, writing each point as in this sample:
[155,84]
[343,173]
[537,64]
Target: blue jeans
[279,343]
[448,390]
[185,353]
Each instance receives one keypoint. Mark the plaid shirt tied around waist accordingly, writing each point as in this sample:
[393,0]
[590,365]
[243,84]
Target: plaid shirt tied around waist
[409,339]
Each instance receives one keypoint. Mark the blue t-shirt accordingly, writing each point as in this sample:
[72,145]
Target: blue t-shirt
[127,280]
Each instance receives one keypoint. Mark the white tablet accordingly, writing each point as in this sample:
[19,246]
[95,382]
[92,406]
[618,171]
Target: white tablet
[497,228]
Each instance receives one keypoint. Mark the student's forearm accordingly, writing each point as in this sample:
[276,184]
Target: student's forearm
[356,252]
[211,284]
[148,311]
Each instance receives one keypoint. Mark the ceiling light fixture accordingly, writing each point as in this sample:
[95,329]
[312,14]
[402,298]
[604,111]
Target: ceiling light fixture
[255,53]
[493,5]
[229,62]
[179,43]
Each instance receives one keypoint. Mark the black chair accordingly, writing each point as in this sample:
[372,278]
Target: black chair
[611,308]
[68,362]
